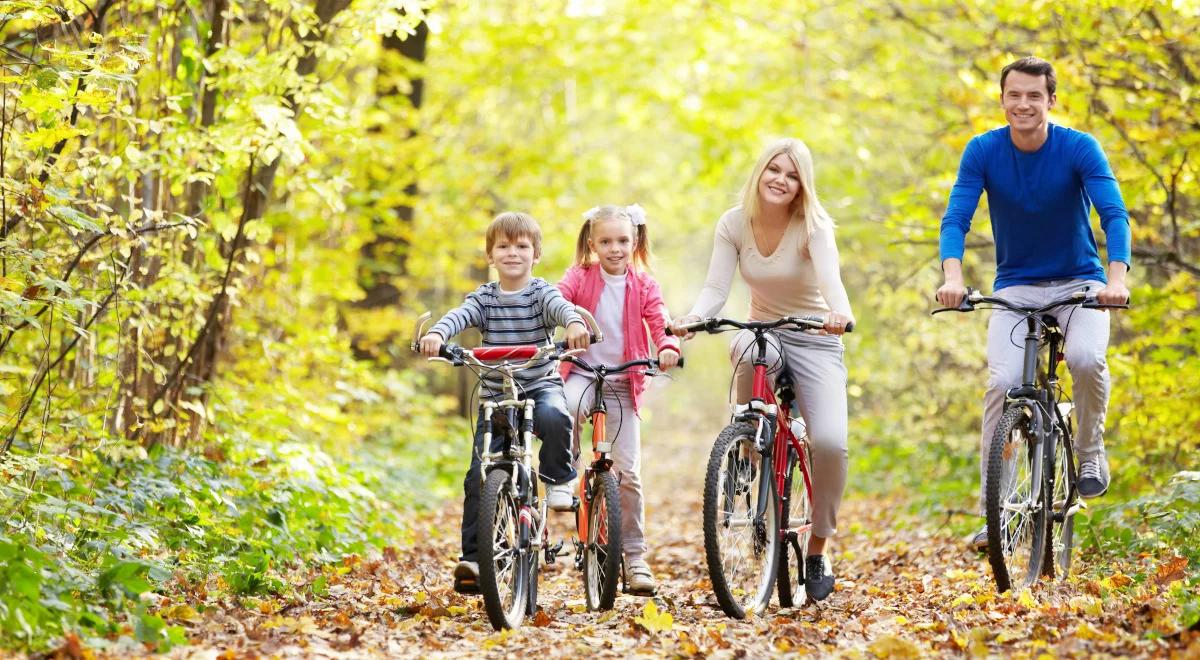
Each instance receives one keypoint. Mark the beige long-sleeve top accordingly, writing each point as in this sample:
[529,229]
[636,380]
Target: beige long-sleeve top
[786,283]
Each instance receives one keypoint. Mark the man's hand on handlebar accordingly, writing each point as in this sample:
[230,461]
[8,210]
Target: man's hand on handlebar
[431,344]
[951,294]
[1114,293]
[577,336]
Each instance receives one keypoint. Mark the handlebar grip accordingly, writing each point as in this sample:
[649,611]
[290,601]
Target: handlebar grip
[850,327]
[680,363]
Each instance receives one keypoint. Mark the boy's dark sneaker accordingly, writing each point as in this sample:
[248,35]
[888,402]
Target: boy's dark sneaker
[1093,475]
[818,582]
[466,577]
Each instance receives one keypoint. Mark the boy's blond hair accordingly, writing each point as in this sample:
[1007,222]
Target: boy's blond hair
[513,225]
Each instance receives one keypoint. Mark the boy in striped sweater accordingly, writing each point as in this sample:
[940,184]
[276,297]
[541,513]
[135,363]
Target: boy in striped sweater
[517,309]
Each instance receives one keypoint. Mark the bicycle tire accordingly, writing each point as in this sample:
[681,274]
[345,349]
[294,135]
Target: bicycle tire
[503,567]
[797,511]
[725,483]
[602,548]
[1056,563]
[1015,445]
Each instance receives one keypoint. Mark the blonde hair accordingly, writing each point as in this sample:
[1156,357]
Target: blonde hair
[641,240]
[805,208]
[513,225]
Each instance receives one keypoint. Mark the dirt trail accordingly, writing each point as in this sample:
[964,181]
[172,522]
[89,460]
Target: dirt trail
[902,592]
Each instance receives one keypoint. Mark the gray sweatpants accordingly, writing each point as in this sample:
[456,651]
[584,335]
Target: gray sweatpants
[623,429]
[819,376]
[1086,332]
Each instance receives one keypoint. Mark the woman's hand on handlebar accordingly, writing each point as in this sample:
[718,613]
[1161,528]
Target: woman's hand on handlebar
[431,345]
[837,323]
[677,326]
[577,336]
[667,359]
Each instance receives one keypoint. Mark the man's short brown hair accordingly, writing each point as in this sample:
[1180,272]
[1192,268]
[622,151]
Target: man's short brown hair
[513,225]
[1034,66]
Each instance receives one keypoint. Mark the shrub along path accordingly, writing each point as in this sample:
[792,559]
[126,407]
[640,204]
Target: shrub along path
[905,590]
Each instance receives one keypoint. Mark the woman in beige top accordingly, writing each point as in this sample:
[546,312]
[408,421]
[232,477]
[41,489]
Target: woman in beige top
[781,239]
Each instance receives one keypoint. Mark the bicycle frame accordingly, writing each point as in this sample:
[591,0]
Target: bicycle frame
[764,406]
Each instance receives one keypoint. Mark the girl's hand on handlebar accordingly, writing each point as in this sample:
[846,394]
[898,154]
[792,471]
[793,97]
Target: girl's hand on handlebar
[577,336]
[667,358]
[836,323]
[431,345]
[677,324]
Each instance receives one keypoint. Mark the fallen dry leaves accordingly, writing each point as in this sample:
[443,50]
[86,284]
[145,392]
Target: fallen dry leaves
[904,591]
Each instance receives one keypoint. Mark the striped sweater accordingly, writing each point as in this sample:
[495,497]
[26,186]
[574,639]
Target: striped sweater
[506,318]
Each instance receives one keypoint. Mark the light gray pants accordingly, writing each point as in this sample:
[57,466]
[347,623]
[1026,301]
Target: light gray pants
[623,429]
[819,378]
[1086,332]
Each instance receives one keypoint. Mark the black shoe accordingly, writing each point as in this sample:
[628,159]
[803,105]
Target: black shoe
[1093,476]
[466,577]
[817,583]
[979,541]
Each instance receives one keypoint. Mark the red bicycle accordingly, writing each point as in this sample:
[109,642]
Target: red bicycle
[758,486]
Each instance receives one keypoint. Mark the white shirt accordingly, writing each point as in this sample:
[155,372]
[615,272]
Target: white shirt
[610,313]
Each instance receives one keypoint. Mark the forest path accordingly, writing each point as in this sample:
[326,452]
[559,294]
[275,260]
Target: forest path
[902,591]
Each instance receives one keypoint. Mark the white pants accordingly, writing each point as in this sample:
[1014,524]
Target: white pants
[1086,333]
[623,430]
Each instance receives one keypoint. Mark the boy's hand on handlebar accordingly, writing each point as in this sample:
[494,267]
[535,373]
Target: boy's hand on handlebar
[1114,293]
[667,359]
[577,336]
[836,323]
[677,326]
[951,294]
[431,344]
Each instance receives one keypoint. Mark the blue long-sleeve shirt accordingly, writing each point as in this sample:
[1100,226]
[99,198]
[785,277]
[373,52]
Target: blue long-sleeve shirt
[1039,204]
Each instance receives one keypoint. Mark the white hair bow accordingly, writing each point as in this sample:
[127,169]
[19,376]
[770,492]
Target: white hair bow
[637,214]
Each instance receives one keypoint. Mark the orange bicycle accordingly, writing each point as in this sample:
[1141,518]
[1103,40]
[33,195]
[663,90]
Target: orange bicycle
[598,514]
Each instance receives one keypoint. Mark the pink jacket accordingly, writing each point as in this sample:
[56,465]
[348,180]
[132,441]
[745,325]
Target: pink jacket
[645,315]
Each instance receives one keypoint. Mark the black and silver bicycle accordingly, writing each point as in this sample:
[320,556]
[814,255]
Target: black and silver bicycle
[1031,491]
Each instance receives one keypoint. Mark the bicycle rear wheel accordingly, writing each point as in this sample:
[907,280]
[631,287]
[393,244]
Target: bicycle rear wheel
[795,530]
[602,547]
[1061,539]
[741,529]
[1015,495]
[504,569]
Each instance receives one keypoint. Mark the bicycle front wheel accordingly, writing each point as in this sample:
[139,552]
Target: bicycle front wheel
[741,529]
[1015,495]
[602,547]
[796,530]
[504,569]
[1061,539]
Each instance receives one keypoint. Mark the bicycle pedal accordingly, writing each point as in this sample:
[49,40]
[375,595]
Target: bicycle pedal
[574,502]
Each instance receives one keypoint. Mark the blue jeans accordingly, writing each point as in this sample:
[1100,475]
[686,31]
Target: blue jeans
[551,423]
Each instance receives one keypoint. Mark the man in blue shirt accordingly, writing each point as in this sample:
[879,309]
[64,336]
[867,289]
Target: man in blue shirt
[1041,180]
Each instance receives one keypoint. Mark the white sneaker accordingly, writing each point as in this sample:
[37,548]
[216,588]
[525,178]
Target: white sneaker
[560,497]
[641,580]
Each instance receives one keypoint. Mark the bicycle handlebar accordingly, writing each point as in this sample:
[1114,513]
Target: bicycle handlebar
[645,362]
[716,324]
[1081,298]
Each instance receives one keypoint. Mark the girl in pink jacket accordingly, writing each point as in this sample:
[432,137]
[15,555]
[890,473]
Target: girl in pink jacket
[611,279]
